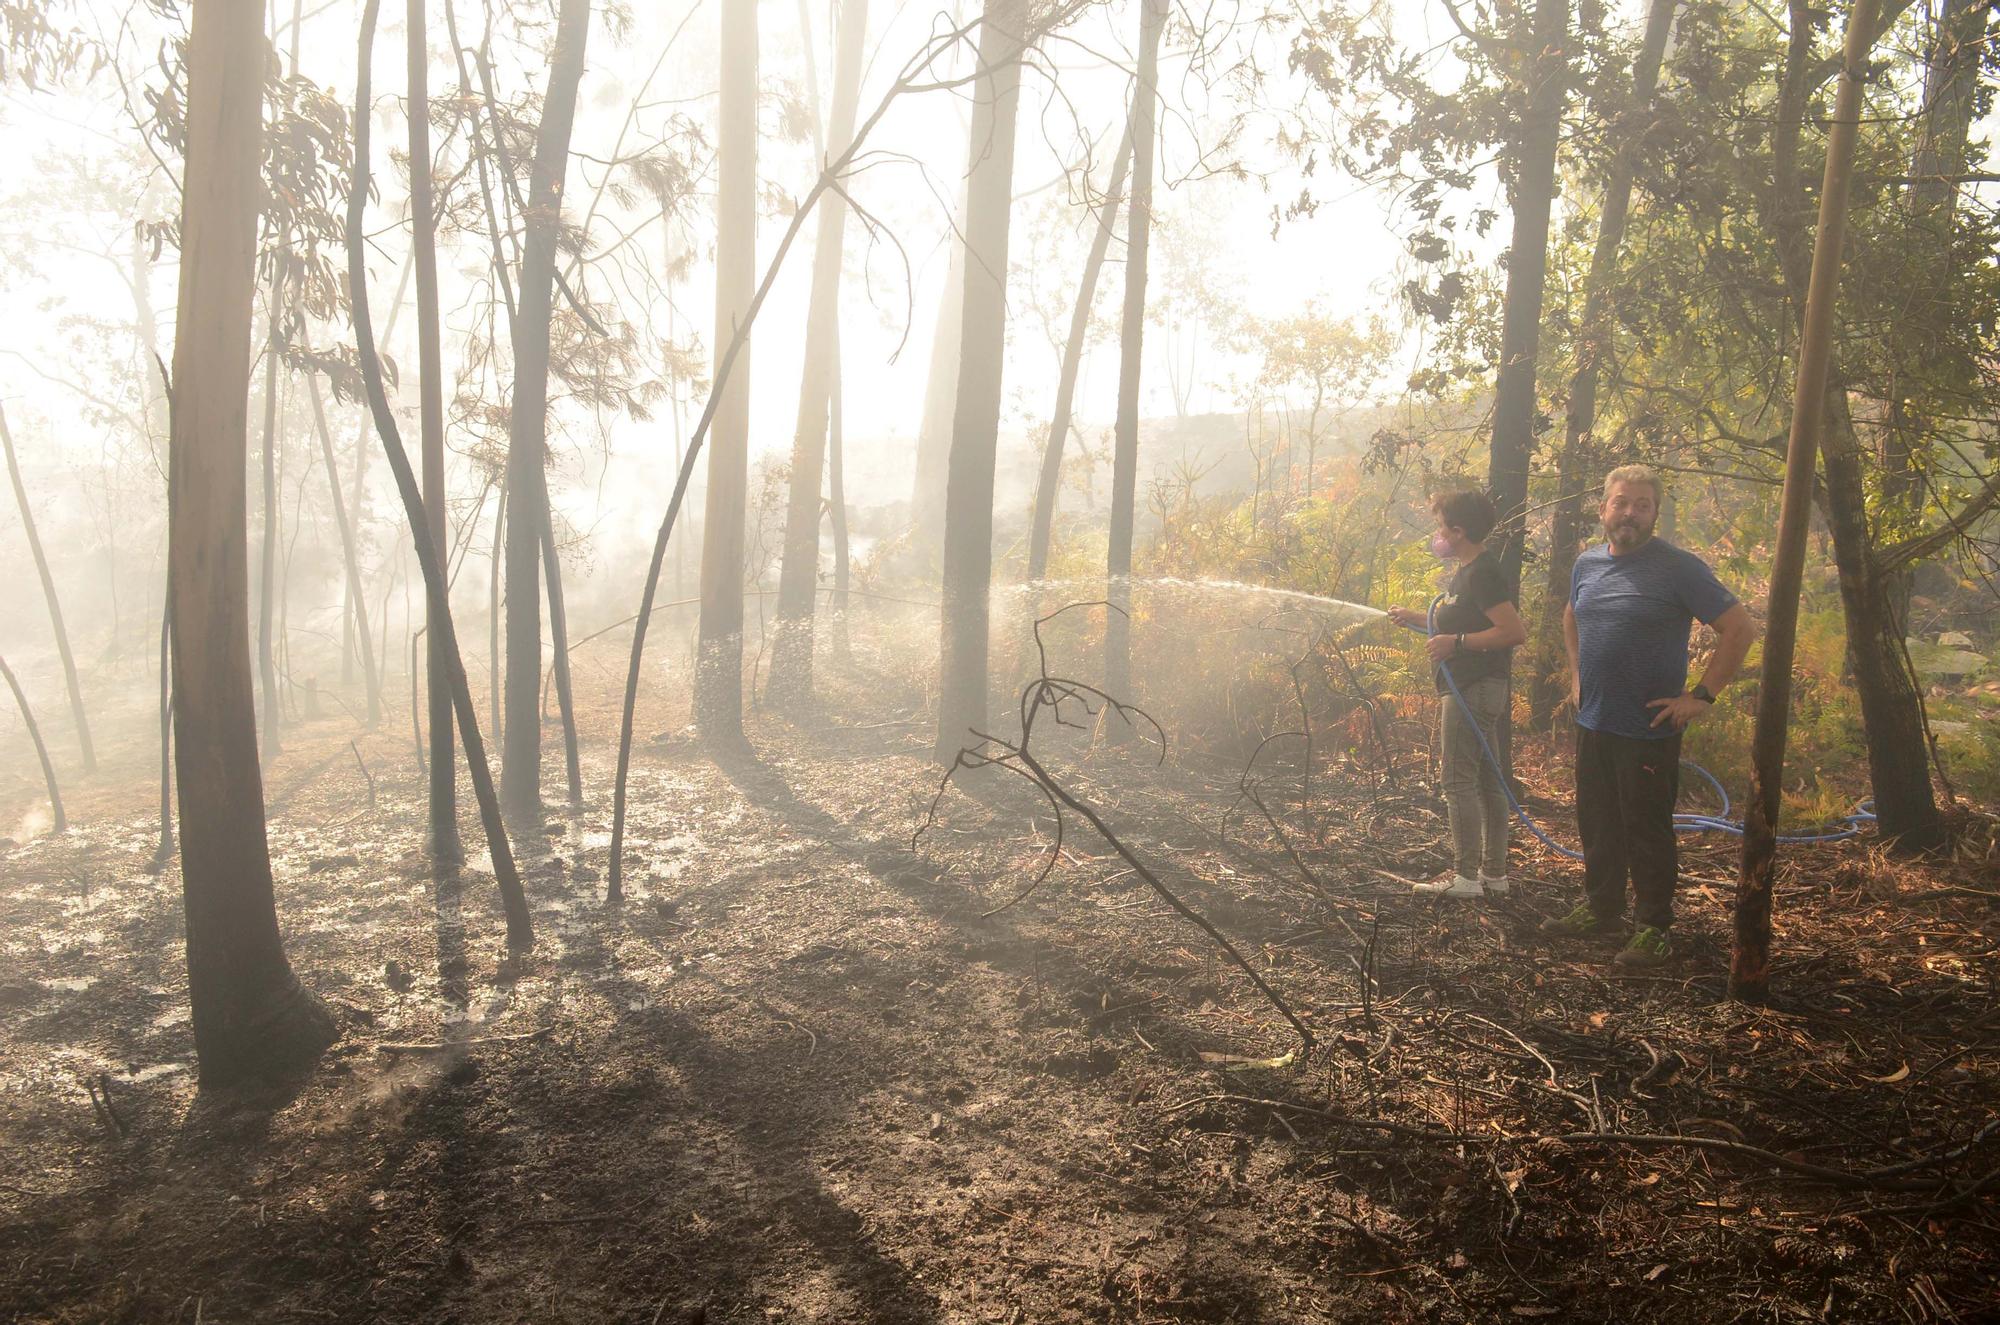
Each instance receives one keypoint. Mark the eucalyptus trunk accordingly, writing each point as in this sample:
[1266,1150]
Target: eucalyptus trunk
[968,504]
[791,682]
[1749,972]
[1892,713]
[251,1017]
[445,847]
[430,557]
[350,557]
[527,439]
[77,714]
[718,685]
[58,821]
[1125,446]
[1049,484]
[1534,153]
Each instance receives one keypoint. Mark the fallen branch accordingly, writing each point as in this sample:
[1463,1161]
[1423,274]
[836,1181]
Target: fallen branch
[1046,695]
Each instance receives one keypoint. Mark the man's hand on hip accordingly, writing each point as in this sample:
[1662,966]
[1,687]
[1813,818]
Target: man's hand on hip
[1680,710]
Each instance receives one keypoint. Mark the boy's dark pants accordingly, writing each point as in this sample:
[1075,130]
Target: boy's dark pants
[1625,792]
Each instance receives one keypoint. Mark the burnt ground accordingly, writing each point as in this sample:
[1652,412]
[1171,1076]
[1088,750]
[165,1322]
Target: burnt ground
[800,1075]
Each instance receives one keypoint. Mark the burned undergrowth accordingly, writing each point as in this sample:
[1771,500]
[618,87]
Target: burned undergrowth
[806,1072]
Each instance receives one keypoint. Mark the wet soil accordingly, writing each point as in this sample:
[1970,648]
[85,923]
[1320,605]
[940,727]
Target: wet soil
[802,1074]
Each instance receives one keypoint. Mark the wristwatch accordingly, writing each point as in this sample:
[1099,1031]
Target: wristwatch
[1701,692]
[1459,646]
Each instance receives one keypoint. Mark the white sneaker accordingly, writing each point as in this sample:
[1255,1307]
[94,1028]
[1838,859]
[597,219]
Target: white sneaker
[1496,885]
[1451,885]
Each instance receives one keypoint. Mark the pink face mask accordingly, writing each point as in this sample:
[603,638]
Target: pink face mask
[1441,546]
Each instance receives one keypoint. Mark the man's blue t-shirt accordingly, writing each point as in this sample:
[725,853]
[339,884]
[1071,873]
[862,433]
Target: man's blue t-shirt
[1633,614]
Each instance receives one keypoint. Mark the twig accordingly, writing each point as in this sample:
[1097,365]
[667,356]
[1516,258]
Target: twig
[1047,694]
[452,1046]
[1855,1181]
[363,764]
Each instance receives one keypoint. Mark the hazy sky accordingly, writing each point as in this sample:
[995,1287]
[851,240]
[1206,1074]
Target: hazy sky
[1215,232]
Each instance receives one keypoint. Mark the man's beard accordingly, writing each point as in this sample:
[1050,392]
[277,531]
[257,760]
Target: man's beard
[1628,533]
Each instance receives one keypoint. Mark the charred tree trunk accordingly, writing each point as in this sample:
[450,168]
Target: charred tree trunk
[355,591]
[968,506]
[1513,446]
[718,684]
[1750,964]
[252,1018]
[77,714]
[59,822]
[1125,448]
[798,578]
[444,845]
[527,448]
[1050,481]
[1546,688]
[430,559]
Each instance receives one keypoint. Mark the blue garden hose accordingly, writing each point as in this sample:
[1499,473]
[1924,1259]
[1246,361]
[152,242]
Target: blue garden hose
[1719,822]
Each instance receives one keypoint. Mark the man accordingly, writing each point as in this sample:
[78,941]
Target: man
[1631,604]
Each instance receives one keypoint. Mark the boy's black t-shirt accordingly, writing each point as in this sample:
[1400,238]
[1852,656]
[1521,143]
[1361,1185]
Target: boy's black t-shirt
[1478,587]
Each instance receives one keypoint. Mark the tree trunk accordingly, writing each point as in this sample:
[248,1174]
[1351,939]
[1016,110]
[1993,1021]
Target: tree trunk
[718,687]
[1951,84]
[934,428]
[527,449]
[267,575]
[59,821]
[798,577]
[355,592]
[251,1018]
[1050,482]
[1125,450]
[76,712]
[1891,705]
[1892,712]
[494,669]
[163,850]
[1547,686]
[443,841]
[968,505]
[1534,154]
[836,484]
[1750,963]
[559,642]
[520,930]
[355,606]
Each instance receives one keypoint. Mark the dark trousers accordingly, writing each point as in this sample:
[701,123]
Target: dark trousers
[1625,793]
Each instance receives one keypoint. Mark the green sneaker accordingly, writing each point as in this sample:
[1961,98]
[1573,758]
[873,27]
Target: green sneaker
[1580,923]
[1649,948]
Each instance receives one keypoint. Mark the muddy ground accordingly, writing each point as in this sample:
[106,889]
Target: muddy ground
[801,1075]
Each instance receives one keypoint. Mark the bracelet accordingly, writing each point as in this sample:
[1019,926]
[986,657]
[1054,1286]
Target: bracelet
[1460,646]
